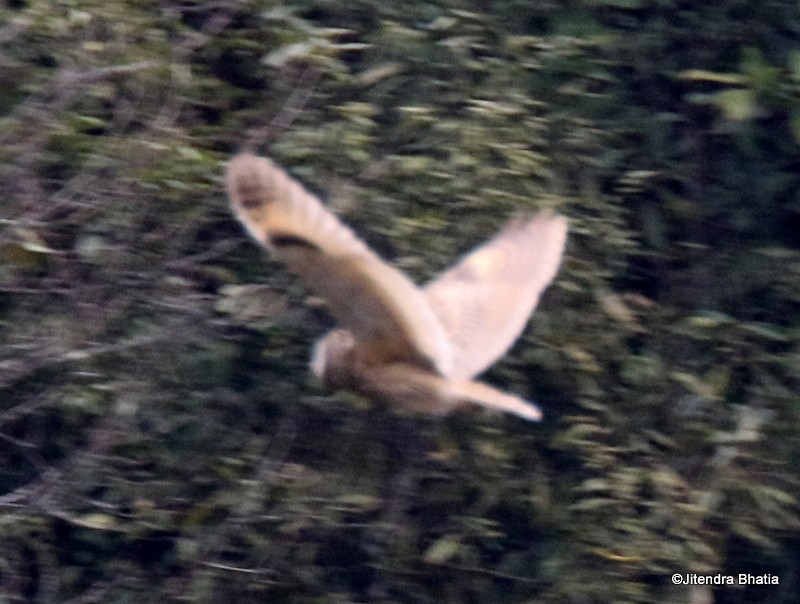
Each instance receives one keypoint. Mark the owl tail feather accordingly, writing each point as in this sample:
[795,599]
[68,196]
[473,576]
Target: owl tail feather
[493,399]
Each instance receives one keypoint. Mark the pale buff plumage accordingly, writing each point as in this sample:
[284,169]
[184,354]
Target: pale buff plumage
[415,347]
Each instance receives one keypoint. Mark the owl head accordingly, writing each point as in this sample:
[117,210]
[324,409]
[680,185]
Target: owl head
[333,359]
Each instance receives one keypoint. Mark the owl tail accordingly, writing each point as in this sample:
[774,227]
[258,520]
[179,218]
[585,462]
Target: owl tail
[493,399]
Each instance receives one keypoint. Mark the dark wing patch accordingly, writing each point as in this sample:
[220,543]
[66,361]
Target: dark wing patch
[284,240]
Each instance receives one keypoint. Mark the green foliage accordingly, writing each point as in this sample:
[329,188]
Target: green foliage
[161,440]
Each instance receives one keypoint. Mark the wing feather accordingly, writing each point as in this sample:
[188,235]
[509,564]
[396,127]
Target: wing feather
[484,301]
[386,312]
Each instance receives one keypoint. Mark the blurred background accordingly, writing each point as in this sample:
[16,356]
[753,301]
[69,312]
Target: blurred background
[160,438]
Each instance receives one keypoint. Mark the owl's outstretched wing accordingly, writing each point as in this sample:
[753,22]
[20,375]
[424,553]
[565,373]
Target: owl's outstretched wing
[386,312]
[484,301]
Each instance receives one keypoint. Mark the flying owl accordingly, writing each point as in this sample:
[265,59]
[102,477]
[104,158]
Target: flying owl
[417,347]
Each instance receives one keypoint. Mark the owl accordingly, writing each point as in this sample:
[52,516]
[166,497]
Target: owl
[417,347]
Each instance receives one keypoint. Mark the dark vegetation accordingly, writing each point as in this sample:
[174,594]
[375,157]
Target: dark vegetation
[160,440]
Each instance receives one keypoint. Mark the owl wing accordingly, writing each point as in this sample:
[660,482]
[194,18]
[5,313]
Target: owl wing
[484,300]
[386,312]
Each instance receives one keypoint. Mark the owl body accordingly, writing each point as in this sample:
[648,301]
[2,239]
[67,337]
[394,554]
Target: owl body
[340,365]
[419,348]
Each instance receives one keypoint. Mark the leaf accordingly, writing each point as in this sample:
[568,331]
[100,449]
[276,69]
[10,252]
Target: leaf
[694,384]
[443,549]
[738,105]
[703,75]
[584,358]
[766,331]
[594,484]
[613,306]
[709,319]
[26,251]
[594,503]
[97,521]
[613,556]
[358,501]
[289,53]
[795,122]
[249,304]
